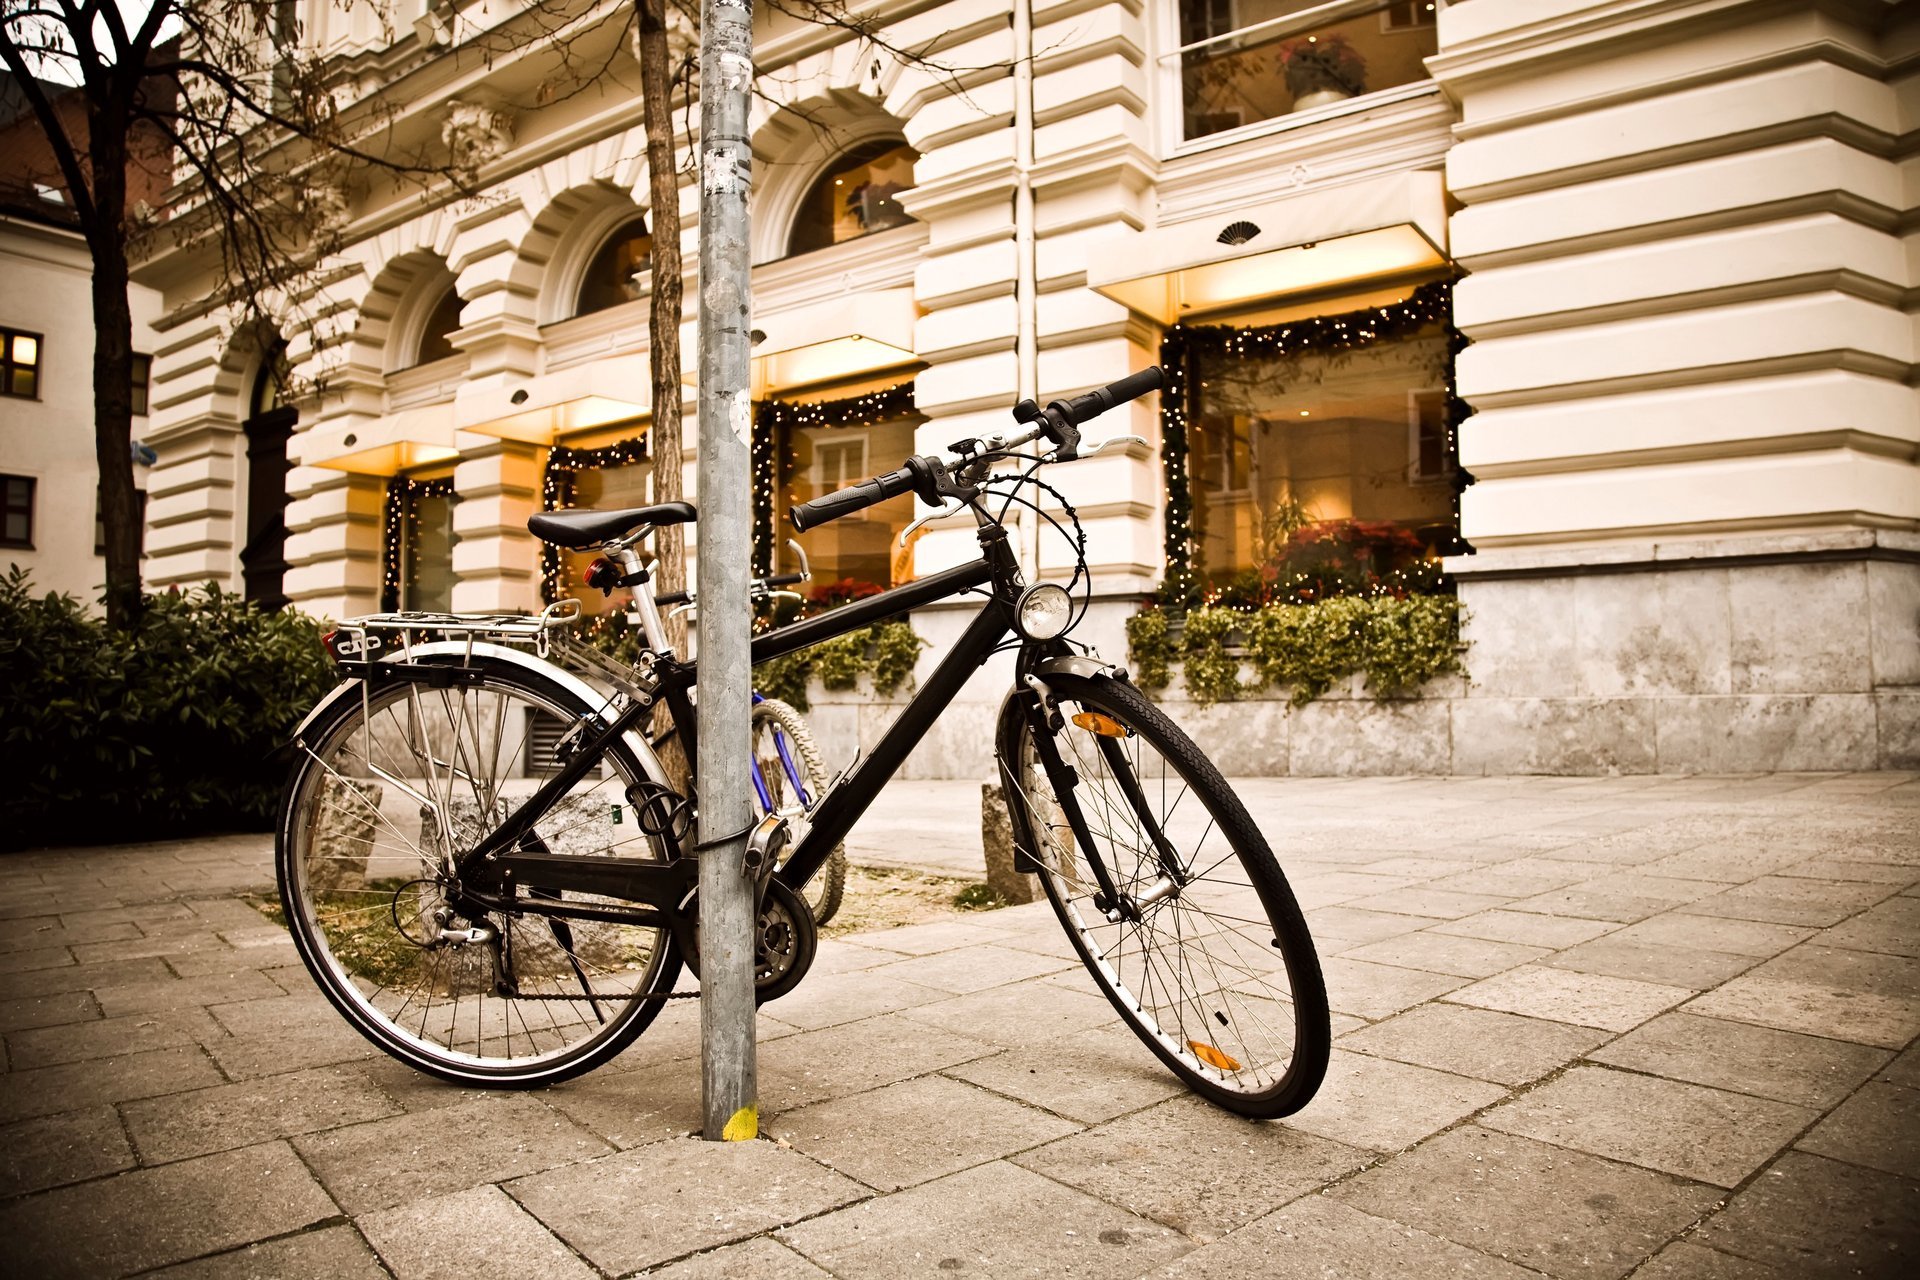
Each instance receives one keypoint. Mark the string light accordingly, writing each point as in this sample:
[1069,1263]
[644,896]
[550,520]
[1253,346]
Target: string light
[400,530]
[775,420]
[556,494]
[1182,349]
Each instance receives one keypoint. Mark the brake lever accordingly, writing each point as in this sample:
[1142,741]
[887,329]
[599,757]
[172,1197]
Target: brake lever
[913,528]
[1104,445]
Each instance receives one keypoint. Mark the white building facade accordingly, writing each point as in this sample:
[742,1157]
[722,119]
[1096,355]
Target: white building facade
[1643,270]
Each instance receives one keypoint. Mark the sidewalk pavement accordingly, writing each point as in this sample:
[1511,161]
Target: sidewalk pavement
[1586,1028]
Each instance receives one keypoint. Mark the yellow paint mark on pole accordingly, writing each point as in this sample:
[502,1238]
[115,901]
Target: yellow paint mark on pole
[744,1126]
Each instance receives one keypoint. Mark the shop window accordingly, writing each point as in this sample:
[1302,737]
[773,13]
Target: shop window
[436,338]
[614,275]
[1320,471]
[16,512]
[1243,61]
[857,195]
[607,488]
[19,364]
[100,520]
[813,460]
[417,566]
[142,377]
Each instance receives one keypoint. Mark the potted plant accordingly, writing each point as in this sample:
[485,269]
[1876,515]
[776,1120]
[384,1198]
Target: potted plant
[1322,69]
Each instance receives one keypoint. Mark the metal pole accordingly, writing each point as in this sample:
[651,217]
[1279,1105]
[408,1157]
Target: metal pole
[729,1089]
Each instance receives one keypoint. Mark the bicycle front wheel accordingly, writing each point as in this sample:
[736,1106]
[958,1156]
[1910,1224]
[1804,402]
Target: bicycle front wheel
[390,789]
[1170,894]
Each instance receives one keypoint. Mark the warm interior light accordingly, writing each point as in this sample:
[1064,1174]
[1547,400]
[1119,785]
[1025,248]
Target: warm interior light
[26,349]
[830,361]
[390,459]
[541,426]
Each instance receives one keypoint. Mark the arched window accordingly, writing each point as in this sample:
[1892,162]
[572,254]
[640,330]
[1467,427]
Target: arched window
[857,195]
[612,276]
[436,336]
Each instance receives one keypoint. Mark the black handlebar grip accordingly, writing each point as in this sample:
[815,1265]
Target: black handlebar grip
[846,501]
[1090,406]
[786,579]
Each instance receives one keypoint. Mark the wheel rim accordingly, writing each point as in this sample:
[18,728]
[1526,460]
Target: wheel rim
[1196,970]
[394,795]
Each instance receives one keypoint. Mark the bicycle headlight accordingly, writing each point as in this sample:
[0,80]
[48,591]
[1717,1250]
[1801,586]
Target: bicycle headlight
[1044,611]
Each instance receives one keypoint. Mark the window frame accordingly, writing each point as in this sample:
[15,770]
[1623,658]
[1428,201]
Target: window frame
[8,366]
[835,163]
[7,510]
[614,234]
[1165,58]
[142,383]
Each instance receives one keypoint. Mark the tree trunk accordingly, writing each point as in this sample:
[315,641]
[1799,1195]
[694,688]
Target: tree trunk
[113,372]
[663,438]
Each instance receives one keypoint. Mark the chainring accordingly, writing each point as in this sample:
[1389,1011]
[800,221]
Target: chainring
[784,941]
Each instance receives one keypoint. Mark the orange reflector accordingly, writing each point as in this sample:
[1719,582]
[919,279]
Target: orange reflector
[1212,1056]
[1105,726]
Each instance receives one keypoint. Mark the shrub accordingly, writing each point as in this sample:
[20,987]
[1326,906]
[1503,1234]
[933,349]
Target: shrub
[174,727]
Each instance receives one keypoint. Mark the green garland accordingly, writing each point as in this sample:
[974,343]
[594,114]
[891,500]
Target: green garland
[398,526]
[772,418]
[556,494]
[1182,348]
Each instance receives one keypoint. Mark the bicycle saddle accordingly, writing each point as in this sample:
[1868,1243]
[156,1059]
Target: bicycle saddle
[576,529]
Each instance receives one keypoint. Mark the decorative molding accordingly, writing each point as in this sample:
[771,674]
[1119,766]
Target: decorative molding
[476,135]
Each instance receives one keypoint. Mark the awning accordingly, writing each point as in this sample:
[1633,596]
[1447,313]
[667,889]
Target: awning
[385,446]
[840,338]
[1357,234]
[539,410]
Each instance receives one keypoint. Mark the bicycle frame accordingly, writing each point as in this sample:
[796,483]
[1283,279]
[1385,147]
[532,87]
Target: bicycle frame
[665,886]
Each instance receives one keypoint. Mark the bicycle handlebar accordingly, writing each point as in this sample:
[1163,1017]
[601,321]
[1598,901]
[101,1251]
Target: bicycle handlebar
[920,474]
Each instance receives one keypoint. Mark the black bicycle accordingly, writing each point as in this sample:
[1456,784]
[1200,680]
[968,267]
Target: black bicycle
[491,875]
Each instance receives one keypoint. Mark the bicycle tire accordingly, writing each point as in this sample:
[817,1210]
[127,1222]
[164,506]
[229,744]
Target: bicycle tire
[825,891]
[545,999]
[1193,976]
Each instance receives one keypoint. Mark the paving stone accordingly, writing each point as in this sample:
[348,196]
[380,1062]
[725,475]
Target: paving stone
[813,1066]
[1029,1013]
[161,995]
[1194,1166]
[100,1038]
[1387,1105]
[925,939]
[1446,953]
[952,1126]
[1502,1047]
[633,1108]
[1861,996]
[1560,995]
[38,933]
[669,1199]
[1710,933]
[847,997]
[1892,926]
[478,1234]
[1878,1127]
[1905,1069]
[1898,874]
[1792,900]
[761,1258]
[168,946]
[1562,1212]
[1809,1070]
[251,1059]
[1653,962]
[996,1220]
[1378,990]
[971,968]
[1813,1218]
[388,1162]
[1331,888]
[136,1075]
[1688,1261]
[151,1217]
[81,977]
[27,1012]
[1353,925]
[1089,1076]
[51,1151]
[1315,1238]
[1709,1135]
[337,1253]
[1587,903]
[1528,928]
[1424,900]
[181,1125]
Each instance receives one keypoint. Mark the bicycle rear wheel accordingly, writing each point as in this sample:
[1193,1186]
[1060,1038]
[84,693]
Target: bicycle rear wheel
[390,789]
[791,764]
[1194,935]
